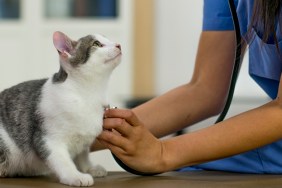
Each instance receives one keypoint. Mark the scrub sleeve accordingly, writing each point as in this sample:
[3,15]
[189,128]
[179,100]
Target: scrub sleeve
[265,69]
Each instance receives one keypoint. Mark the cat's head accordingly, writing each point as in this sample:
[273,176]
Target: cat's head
[90,55]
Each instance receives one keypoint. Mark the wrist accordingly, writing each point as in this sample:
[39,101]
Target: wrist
[172,158]
[163,163]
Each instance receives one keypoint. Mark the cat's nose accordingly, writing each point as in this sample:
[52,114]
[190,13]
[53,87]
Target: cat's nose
[118,46]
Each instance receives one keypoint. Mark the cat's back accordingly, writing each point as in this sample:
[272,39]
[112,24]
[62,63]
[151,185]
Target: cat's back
[24,87]
[21,93]
[20,100]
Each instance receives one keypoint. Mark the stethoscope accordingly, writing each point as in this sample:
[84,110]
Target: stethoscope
[235,73]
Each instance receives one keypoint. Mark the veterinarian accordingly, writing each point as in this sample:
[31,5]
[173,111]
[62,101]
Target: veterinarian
[248,143]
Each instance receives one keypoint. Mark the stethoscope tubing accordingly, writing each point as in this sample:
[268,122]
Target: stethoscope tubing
[235,73]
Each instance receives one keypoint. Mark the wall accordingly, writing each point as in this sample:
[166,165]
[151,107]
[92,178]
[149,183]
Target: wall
[177,30]
[27,51]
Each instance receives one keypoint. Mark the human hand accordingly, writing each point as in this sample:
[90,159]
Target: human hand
[126,136]
[97,146]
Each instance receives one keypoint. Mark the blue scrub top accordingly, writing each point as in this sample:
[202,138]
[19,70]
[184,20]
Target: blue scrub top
[265,68]
[264,62]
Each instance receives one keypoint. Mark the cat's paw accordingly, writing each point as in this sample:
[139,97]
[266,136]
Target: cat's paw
[80,180]
[98,171]
[3,174]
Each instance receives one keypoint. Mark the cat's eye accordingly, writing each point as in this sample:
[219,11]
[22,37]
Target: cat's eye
[97,44]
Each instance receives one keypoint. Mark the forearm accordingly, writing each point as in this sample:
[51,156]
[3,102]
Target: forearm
[203,96]
[244,132]
[168,113]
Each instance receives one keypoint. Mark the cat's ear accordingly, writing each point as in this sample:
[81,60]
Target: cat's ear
[63,43]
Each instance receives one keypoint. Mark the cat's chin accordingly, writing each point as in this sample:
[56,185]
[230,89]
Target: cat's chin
[117,58]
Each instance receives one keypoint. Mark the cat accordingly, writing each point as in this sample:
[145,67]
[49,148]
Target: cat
[48,125]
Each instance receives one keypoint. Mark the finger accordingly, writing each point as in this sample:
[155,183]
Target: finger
[113,139]
[120,125]
[128,115]
[114,149]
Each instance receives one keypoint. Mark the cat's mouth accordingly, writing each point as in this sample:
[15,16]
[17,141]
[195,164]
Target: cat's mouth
[114,58]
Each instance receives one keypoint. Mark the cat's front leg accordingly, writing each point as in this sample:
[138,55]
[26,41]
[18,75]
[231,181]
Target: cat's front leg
[84,164]
[60,162]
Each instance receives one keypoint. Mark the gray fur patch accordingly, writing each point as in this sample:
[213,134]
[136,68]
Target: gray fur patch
[4,158]
[4,151]
[82,53]
[20,116]
[60,76]
[83,50]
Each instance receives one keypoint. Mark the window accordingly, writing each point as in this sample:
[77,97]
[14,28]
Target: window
[81,8]
[9,9]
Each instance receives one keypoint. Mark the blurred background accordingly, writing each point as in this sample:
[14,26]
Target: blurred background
[158,37]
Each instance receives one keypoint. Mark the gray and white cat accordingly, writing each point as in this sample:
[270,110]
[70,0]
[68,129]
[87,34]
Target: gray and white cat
[48,125]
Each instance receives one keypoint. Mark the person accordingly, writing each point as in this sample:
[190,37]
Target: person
[247,143]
